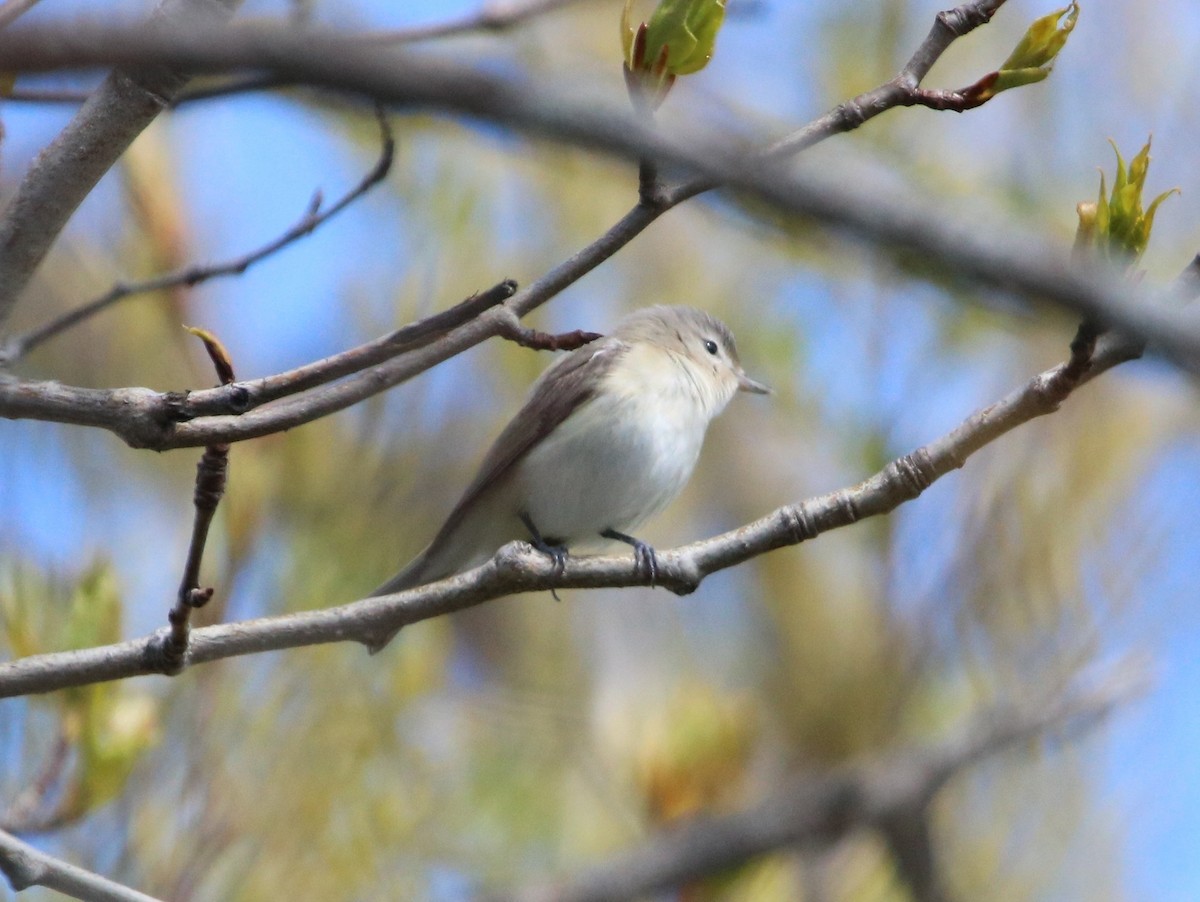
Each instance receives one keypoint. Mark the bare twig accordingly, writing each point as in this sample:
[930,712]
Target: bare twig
[245,396]
[546,341]
[904,89]
[211,475]
[821,808]
[189,276]
[149,419]
[25,866]
[517,567]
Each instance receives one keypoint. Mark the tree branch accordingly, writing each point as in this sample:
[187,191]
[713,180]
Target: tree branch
[194,275]
[491,17]
[11,10]
[211,476]
[224,88]
[25,866]
[144,420]
[148,419]
[822,808]
[66,171]
[986,253]
[517,567]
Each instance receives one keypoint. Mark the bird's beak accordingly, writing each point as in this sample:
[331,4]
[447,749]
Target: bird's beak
[745,383]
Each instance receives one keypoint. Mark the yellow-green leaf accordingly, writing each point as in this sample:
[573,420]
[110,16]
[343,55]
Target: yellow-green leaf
[1117,224]
[1044,39]
[680,36]
[1033,57]
[1015,78]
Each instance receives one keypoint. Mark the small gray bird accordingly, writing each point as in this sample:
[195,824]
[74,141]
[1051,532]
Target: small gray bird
[608,436]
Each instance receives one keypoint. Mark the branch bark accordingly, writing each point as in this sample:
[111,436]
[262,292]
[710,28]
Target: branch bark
[25,866]
[518,567]
[66,171]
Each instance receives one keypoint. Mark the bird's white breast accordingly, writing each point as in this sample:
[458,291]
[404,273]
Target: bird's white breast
[624,454]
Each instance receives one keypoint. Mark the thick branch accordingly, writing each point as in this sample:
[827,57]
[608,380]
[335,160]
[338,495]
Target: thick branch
[11,10]
[492,17]
[822,808]
[517,567]
[67,170]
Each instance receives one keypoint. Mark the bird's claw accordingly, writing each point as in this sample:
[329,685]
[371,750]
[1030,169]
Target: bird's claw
[556,551]
[645,560]
[558,562]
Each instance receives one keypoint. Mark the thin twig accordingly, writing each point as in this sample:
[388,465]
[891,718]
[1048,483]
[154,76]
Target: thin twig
[193,275]
[149,419]
[546,341]
[25,866]
[907,833]
[211,474]
[517,567]
[243,397]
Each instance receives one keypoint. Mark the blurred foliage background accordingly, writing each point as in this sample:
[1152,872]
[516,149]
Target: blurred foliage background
[526,737]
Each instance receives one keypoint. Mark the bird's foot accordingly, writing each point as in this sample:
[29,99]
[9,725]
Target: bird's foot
[556,551]
[645,560]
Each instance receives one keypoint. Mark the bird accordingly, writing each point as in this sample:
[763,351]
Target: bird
[607,437]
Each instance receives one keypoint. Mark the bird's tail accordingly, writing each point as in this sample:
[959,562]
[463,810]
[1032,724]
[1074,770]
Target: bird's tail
[412,575]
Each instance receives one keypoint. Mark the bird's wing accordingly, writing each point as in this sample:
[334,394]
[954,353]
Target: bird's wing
[567,385]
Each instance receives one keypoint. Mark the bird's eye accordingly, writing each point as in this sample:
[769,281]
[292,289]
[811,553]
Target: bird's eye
[710,346]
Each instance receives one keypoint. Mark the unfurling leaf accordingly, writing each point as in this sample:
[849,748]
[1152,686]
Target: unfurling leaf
[1032,58]
[1043,40]
[678,39]
[216,353]
[1117,224]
